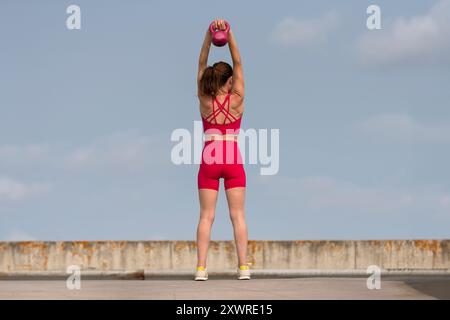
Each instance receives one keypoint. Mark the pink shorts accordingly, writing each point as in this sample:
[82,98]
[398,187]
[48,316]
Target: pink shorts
[221,159]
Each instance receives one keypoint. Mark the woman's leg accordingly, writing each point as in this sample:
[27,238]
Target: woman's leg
[236,203]
[208,199]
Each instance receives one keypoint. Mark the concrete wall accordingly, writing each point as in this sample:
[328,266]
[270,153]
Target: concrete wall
[181,255]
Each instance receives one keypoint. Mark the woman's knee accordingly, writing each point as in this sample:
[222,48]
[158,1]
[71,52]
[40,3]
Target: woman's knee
[237,215]
[207,216]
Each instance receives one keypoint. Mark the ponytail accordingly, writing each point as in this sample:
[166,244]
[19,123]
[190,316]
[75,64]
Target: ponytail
[214,77]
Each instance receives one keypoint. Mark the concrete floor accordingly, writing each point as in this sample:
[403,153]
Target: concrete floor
[265,289]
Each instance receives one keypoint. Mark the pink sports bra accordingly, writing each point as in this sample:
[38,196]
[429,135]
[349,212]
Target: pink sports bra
[210,122]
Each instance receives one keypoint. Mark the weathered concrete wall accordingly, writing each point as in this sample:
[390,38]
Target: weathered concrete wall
[181,255]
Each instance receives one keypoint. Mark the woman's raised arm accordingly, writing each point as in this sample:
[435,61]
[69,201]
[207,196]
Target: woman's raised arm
[204,53]
[238,74]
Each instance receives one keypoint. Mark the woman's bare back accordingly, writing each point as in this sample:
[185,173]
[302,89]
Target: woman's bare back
[236,106]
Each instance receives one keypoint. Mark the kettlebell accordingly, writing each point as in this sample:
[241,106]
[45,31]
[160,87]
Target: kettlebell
[219,37]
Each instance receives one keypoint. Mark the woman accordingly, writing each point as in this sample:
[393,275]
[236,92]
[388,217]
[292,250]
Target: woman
[221,97]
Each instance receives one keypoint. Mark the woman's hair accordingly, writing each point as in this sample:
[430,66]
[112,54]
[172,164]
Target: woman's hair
[214,77]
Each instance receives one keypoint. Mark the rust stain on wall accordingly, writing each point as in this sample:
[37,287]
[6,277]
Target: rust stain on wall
[182,245]
[39,255]
[28,246]
[214,246]
[433,246]
[254,246]
[388,244]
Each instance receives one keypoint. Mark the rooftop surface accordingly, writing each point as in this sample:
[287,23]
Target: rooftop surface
[265,289]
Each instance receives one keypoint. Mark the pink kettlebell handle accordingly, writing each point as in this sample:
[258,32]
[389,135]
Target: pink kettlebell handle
[213,30]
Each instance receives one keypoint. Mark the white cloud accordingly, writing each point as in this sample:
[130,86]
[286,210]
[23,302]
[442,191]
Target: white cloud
[293,32]
[445,201]
[325,192]
[127,149]
[322,192]
[120,152]
[24,153]
[404,129]
[419,39]
[15,190]
[19,235]
[157,237]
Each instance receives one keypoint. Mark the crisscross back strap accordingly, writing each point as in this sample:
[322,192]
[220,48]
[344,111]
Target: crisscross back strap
[223,108]
[212,117]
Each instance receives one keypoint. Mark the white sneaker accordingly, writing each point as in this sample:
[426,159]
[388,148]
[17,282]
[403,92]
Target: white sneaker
[243,273]
[201,275]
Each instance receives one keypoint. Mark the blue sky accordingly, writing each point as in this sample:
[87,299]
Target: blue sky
[86,119]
